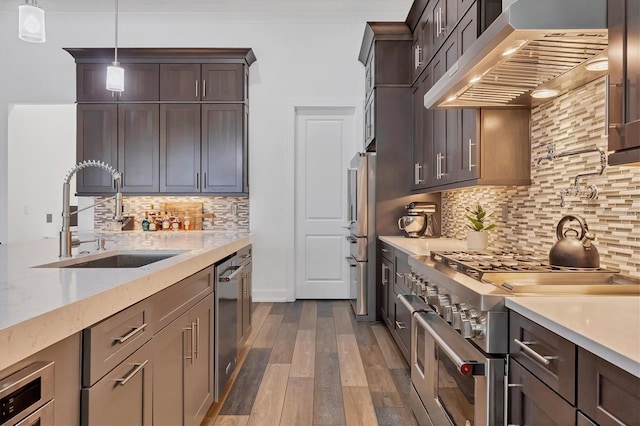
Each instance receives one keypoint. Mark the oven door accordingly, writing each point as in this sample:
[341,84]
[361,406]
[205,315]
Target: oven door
[455,382]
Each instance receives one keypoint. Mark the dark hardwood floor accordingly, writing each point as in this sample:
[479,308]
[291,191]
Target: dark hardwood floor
[310,363]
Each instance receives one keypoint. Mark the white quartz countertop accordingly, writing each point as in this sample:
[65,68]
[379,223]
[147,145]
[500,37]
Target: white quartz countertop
[42,306]
[423,246]
[608,326]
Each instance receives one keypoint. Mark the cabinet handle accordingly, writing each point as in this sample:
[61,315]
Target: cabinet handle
[416,173]
[204,89]
[205,180]
[139,366]
[384,250]
[197,180]
[607,82]
[438,24]
[416,57]
[470,145]
[196,89]
[196,326]
[193,342]
[546,360]
[400,325]
[385,281]
[129,335]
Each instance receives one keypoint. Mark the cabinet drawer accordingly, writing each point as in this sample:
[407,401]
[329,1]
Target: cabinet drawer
[172,302]
[122,397]
[548,356]
[108,343]
[531,402]
[606,393]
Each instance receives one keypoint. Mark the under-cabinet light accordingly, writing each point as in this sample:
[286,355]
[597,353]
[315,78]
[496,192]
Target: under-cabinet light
[514,48]
[600,64]
[544,93]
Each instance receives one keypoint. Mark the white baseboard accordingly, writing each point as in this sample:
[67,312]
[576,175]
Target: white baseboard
[279,295]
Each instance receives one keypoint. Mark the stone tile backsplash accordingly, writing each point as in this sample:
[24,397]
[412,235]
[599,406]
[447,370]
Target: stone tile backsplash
[526,216]
[231,213]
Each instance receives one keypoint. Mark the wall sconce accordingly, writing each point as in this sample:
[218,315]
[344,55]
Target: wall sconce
[31,22]
[115,73]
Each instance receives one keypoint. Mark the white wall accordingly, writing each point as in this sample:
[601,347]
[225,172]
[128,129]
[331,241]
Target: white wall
[41,138]
[301,55]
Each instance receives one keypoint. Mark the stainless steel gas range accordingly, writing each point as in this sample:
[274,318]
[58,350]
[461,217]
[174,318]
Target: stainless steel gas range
[460,326]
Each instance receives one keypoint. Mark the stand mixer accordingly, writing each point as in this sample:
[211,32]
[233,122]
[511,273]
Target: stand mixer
[419,221]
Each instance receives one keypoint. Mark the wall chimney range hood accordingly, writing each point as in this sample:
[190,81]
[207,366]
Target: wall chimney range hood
[533,44]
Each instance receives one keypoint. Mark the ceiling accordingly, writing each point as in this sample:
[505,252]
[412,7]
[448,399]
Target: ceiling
[215,6]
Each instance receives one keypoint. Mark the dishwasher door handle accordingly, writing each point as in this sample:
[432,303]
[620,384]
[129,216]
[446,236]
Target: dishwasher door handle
[236,271]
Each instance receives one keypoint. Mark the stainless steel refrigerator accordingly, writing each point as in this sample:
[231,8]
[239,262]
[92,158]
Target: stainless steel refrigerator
[362,235]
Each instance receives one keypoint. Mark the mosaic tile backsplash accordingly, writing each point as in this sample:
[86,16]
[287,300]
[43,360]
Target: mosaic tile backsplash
[231,213]
[526,216]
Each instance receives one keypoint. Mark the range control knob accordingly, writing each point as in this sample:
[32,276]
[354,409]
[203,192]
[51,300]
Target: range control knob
[443,301]
[450,312]
[432,295]
[472,328]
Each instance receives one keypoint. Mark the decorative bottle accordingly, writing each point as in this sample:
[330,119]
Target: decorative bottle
[145,222]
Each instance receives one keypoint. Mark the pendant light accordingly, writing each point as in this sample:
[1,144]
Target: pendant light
[115,73]
[31,22]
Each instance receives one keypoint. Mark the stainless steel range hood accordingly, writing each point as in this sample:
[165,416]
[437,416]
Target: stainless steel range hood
[552,40]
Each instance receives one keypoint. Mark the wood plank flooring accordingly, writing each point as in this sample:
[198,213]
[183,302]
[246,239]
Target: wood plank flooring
[310,363]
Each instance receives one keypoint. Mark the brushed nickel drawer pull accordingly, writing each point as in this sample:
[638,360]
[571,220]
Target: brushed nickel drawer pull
[546,360]
[129,335]
[400,325]
[139,366]
[196,326]
[196,89]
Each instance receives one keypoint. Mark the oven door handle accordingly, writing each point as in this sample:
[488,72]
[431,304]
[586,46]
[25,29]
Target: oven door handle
[464,367]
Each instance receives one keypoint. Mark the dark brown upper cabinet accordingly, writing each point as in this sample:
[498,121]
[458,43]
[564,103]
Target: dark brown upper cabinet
[206,82]
[141,83]
[624,81]
[138,147]
[180,126]
[97,139]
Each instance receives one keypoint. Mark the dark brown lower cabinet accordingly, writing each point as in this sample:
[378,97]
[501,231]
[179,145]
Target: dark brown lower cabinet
[531,402]
[183,386]
[386,290]
[606,393]
[123,397]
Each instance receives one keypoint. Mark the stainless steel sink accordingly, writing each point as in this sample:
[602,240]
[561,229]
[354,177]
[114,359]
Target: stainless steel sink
[129,259]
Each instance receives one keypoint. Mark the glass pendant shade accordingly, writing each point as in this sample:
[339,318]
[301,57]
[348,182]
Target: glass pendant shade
[31,23]
[115,78]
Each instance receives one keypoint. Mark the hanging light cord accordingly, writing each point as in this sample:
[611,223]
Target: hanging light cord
[115,61]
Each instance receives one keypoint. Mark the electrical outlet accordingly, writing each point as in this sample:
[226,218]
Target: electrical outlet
[49,217]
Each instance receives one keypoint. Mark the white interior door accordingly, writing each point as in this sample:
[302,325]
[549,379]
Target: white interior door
[324,144]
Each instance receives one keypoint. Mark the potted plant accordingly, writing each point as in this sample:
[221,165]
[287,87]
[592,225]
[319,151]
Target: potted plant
[476,236]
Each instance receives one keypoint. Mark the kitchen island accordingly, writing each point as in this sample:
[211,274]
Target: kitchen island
[42,306]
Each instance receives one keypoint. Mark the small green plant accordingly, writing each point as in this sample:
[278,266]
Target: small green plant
[477,219]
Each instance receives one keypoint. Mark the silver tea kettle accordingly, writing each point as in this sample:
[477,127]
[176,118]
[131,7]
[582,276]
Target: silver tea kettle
[574,251]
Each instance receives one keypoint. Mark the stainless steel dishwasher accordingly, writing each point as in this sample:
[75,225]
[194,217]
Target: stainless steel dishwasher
[228,275]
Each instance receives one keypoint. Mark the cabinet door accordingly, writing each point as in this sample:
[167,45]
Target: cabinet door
[91,83]
[532,403]
[222,146]
[606,393]
[402,327]
[198,387]
[467,162]
[124,396]
[222,82]
[170,346]
[138,147]
[141,83]
[417,97]
[369,73]
[444,17]
[247,303]
[97,139]
[180,148]
[452,152]
[624,71]
[439,155]
[180,82]
[370,120]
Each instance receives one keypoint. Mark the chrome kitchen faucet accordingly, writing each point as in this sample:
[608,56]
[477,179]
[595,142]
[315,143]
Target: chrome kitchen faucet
[67,240]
